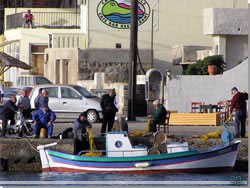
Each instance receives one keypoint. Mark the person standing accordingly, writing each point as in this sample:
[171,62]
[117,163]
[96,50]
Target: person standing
[109,105]
[36,102]
[7,112]
[23,102]
[43,118]
[42,99]
[238,103]
[29,19]
[1,93]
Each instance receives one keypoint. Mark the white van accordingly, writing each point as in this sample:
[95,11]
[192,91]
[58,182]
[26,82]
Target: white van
[32,80]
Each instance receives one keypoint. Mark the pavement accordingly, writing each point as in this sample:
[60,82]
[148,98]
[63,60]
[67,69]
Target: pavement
[141,126]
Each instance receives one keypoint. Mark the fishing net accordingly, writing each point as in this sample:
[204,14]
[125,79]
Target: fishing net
[139,133]
[92,146]
[217,133]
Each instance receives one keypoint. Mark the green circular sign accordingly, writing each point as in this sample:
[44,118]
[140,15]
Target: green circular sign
[117,13]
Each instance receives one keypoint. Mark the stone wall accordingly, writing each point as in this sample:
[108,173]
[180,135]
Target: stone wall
[114,62]
[21,154]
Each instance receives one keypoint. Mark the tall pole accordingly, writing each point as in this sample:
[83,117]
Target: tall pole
[15,6]
[133,60]
[76,12]
[152,40]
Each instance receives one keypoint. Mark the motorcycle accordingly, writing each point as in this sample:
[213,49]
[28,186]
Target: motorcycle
[22,126]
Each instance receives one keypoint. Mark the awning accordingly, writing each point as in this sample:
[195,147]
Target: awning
[7,61]
[8,42]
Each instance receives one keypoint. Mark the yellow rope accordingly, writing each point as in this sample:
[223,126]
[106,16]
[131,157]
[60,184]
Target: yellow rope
[216,133]
[139,133]
[92,146]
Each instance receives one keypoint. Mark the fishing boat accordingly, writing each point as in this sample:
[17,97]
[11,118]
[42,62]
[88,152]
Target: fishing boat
[122,157]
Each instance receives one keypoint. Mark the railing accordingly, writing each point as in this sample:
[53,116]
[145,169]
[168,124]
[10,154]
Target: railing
[60,20]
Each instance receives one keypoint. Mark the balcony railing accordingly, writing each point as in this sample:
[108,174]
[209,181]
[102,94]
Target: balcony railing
[58,20]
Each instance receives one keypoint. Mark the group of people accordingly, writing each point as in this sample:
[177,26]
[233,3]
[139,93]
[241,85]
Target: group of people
[43,117]
[109,105]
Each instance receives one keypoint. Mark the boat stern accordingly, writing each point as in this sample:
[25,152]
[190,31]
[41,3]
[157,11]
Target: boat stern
[46,161]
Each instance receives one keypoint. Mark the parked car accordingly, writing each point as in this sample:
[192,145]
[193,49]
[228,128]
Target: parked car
[68,101]
[32,80]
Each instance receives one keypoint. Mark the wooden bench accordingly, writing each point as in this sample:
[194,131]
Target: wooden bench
[195,119]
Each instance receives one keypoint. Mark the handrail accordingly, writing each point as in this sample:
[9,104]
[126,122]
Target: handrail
[45,19]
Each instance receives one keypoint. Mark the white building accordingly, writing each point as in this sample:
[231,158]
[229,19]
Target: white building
[175,22]
[229,31]
[52,27]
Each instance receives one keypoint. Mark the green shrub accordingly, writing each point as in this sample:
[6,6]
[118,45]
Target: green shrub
[200,67]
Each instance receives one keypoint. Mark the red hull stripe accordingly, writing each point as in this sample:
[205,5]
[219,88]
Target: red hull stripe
[194,170]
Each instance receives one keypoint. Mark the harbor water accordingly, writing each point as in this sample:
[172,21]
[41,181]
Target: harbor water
[79,178]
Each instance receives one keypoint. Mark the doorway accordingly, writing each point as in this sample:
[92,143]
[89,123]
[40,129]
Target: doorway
[37,59]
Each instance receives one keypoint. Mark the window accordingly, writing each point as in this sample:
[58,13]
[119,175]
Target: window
[16,51]
[41,80]
[53,92]
[83,91]
[69,93]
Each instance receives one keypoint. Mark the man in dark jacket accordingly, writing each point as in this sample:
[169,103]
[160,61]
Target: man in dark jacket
[158,116]
[7,112]
[37,99]
[109,108]
[43,118]
[238,103]
[42,100]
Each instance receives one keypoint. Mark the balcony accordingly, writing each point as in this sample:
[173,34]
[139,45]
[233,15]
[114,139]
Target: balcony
[51,20]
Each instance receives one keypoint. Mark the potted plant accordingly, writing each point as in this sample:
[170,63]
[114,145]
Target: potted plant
[215,64]
[210,65]
[211,68]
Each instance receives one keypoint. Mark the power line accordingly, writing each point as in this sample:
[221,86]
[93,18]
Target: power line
[235,3]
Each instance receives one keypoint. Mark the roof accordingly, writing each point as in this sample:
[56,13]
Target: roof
[9,61]
[54,85]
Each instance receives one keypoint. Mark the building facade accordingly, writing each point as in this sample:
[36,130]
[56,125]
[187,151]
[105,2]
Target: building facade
[174,22]
[228,29]
[28,44]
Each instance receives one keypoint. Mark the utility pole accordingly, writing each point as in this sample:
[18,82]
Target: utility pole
[152,40]
[133,60]
[15,7]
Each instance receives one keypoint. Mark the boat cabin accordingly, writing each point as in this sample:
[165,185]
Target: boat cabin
[119,145]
